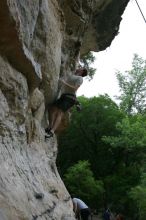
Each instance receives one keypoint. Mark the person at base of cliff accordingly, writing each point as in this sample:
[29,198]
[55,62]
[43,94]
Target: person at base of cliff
[107,215]
[80,209]
[66,101]
[119,217]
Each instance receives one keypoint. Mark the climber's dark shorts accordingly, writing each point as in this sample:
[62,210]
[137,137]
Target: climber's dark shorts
[66,101]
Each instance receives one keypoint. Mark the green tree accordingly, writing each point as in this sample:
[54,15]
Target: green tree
[129,157]
[86,61]
[80,182]
[83,138]
[131,139]
[132,87]
[138,194]
[113,143]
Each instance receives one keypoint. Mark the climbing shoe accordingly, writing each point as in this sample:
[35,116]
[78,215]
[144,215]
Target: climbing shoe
[49,135]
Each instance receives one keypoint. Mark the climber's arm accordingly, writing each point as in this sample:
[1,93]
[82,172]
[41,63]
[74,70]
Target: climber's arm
[71,86]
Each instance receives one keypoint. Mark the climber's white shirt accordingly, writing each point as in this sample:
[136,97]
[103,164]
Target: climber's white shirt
[80,204]
[73,80]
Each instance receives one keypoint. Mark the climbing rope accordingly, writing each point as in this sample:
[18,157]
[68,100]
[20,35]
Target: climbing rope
[140,11]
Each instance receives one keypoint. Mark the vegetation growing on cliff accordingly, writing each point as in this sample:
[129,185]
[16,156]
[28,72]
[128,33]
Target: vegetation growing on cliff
[86,62]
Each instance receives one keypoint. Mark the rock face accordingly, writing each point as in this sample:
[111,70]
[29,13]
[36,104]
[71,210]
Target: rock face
[40,40]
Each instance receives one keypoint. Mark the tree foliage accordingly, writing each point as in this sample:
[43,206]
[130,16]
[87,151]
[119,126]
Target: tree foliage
[112,139]
[86,61]
[80,181]
[131,138]
[129,158]
[83,138]
[138,194]
[132,86]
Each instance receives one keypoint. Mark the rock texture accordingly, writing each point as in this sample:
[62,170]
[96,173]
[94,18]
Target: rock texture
[41,40]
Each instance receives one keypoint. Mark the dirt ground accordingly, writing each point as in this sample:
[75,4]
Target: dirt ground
[95,217]
[98,217]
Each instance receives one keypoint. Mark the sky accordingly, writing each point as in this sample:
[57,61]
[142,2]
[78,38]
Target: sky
[131,39]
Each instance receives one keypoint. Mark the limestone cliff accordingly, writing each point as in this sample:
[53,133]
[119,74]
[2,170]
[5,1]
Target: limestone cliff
[39,41]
